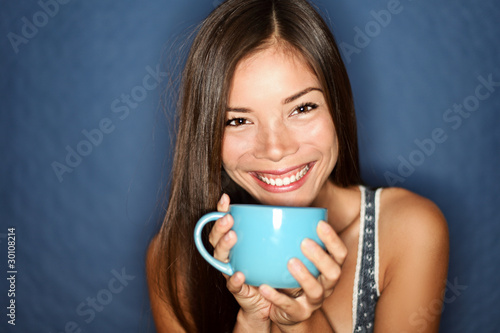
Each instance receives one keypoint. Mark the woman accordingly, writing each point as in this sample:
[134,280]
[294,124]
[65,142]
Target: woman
[266,115]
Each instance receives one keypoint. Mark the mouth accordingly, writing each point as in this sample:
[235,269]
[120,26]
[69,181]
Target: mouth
[283,180]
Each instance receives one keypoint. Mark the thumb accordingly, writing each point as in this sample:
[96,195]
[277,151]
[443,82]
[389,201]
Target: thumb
[223,204]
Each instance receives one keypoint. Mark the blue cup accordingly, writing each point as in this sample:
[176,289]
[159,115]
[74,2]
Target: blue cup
[268,237]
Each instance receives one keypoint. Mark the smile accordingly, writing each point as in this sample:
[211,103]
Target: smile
[283,181]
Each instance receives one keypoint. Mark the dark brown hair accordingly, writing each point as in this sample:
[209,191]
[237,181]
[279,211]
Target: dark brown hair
[234,30]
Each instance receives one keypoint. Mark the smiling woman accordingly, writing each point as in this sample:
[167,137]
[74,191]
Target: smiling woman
[266,115]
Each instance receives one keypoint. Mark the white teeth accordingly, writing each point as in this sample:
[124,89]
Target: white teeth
[287,180]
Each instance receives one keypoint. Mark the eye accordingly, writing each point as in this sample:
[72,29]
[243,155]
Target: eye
[304,108]
[236,122]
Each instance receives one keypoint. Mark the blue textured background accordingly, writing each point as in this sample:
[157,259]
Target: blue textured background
[76,233]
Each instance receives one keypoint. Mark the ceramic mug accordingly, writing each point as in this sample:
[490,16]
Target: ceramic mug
[268,237]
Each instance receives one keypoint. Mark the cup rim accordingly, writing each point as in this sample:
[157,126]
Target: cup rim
[275,207]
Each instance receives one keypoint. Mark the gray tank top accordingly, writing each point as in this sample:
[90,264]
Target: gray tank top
[366,287]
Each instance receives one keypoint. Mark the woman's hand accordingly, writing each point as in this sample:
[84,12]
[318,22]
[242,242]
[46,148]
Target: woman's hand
[286,310]
[255,309]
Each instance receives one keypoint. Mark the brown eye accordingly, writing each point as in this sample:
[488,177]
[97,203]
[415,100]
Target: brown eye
[236,122]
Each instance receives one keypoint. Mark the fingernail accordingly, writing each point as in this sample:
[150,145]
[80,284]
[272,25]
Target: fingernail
[308,244]
[237,277]
[223,199]
[228,236]
[324,227]
[265,290]
[295,266]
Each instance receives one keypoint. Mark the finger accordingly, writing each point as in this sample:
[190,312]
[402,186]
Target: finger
[223,204]
[291,310]
[222,225]
[332,242]
[313,290]
[330,270]
[281,300]
[220,228]
[221,250]
[235,283]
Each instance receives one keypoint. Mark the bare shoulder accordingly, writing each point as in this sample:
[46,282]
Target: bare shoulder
[403,211]
[411,228]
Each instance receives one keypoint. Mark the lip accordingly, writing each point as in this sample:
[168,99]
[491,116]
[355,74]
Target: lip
[281,172]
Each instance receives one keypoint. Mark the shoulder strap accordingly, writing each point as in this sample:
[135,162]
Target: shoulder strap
[366,291]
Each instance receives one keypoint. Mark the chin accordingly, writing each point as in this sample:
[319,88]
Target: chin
[284,200]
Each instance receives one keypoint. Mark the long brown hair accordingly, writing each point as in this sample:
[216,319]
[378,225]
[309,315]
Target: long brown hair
[234,30]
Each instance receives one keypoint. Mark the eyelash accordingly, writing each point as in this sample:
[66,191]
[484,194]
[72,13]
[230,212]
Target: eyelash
[307,106]
[302,108]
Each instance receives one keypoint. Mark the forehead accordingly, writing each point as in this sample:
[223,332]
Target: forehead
[276,51]
[272,71]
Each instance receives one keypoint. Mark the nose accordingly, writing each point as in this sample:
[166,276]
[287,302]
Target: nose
[275,142]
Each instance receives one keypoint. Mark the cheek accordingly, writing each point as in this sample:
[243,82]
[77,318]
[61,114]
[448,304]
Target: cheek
[323,134]
[236,147]
[230,152]
[327,141]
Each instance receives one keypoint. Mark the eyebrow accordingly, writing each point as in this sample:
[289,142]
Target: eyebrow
[300,94]
[285,101]
[243,110]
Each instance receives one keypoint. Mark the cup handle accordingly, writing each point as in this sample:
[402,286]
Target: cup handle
[221,266]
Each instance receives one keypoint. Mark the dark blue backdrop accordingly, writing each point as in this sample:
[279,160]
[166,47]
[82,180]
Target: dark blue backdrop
[85,146]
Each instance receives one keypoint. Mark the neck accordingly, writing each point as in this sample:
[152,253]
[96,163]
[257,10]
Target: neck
[342,205]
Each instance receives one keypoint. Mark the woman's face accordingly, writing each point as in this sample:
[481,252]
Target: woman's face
[279,141]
